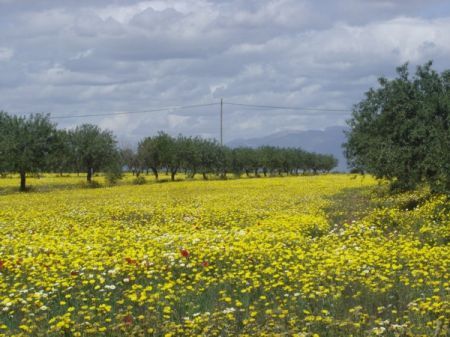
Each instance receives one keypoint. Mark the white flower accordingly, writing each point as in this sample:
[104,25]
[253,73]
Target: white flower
[229,310]
[379,330]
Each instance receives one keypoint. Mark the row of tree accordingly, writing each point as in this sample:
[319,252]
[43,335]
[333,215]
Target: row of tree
[401,131]
[34,144]
[195,155]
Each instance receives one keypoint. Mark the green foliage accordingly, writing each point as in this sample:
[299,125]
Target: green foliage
[113,173]
[196,155]
[94,149]
[401,131]
[34,145]
[140,180]
[62,157]
[26,143]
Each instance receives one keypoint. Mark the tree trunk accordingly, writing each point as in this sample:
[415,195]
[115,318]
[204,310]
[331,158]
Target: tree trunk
[155,172]
[89,175]
[23,179]
[172,175]
[204,176]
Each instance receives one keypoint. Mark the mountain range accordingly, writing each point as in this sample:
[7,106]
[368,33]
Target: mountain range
[327,141]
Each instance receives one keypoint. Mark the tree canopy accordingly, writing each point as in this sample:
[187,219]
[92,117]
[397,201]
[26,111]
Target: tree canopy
[26,144]
[94,149]
[196,155]
[34,144]
[400,131]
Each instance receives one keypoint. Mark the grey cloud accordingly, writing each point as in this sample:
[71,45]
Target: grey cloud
[79,57]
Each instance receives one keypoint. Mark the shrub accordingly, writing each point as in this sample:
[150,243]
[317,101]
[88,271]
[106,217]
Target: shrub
[140,180]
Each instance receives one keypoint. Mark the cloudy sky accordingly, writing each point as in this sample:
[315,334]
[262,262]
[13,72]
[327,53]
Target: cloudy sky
[82,57]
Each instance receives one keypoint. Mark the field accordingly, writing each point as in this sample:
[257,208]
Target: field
[328,255]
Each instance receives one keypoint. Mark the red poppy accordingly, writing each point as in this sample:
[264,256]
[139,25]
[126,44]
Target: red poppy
[2,264]
[184,252]
[130,260]
[128,319]
[205,263]
[74,273]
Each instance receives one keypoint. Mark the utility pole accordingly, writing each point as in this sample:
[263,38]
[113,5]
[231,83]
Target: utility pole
[221,121]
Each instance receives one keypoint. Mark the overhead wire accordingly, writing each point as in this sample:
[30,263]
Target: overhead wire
[168,108]
[287,107]
[192,106]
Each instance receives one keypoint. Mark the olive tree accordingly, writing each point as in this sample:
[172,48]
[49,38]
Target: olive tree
[94,149]
[401,130]
[26,144]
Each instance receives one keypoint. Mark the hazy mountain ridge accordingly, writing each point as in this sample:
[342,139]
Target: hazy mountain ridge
[327,141]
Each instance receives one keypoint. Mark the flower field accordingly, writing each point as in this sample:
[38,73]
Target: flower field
[249,257]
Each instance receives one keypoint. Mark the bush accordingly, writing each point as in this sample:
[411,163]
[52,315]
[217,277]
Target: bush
[140,180]
[112,176]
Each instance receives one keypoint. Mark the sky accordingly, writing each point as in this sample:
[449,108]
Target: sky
[84,57]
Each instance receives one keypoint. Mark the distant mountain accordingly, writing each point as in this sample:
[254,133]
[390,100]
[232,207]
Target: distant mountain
[328,141]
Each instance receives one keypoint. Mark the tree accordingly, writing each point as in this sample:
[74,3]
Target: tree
[131,160]
[401,131]
[4,141]
[270,159]
[192,159]
[95,149]
[223,160]
[25,144]
[174,155]
[208,156]
[156,152]
[62,157]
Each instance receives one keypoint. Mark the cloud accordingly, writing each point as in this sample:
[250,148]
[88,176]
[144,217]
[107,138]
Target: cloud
[6,54]
[79,57]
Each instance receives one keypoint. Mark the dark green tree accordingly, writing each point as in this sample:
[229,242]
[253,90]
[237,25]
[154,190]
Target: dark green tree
[400,131]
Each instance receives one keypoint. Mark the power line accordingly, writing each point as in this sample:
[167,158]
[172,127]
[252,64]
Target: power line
[287,108]
[181,107]
[168,108]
